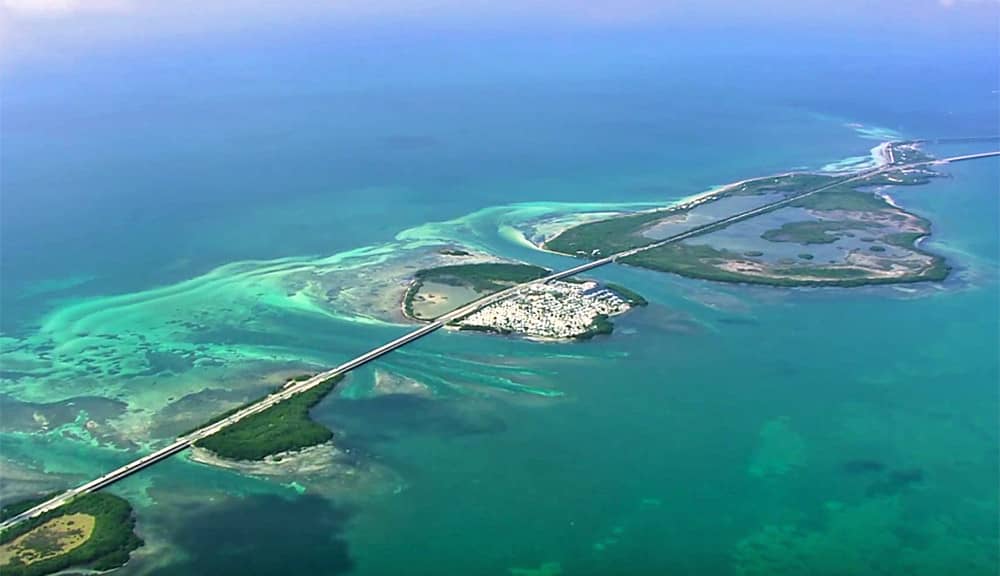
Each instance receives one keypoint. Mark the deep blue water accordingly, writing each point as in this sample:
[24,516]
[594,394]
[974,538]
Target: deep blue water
[711,434]
[146,167]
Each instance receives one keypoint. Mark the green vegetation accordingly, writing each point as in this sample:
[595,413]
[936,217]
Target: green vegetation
[284,427]
[453,252]
[842,198]
[108,546]
[906,153]
[14,508]
[485,277]
[790,183]
[601,325]
[608,236]
[833,276]
[633,298]
[900,178]
[699,261]
[879,217]
[477,328]
[620,233]
[903,239]
[694,261]
[221,416]
[812,231]
[235,409]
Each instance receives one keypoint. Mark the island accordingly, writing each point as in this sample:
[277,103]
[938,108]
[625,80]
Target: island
[93,531]
[284,427]
[556,310]
[775,230]
[441,289]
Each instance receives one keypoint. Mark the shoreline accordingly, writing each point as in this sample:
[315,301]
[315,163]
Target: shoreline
[854,269]
[880,154]
[685,203]
[273,464]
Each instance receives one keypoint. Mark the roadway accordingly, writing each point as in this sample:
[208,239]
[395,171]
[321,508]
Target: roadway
[294,388]
[965,157]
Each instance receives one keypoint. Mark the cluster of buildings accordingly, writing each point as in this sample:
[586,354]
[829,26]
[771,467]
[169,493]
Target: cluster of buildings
[554,310]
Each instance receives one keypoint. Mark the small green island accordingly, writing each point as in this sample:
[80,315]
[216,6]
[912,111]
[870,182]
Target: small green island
[93,532]
[847,234]
[284,427]
[437,291]
[564,309]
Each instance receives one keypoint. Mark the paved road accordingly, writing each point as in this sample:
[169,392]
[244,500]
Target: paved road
[294,388]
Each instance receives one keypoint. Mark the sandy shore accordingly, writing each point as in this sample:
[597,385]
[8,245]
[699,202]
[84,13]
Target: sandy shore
[378,291]
[539,241]
[308,461]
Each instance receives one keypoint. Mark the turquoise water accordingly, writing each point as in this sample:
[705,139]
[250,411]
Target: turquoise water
[162,252]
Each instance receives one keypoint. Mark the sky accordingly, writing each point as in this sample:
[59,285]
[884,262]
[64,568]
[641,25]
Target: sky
[40,30]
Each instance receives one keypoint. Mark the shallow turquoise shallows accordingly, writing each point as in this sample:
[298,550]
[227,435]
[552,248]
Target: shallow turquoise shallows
[154,230]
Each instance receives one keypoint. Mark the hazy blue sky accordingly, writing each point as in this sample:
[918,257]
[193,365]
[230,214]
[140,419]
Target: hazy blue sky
[62,29]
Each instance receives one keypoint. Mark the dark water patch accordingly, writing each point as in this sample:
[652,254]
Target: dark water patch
[862,466]
[660,318]
[263,535]
[18,374]
[913,536]
[385,418]
[21,416]
[237,335]
[896,482]
[167,362]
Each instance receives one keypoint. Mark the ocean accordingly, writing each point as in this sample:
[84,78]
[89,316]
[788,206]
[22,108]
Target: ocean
[161,209]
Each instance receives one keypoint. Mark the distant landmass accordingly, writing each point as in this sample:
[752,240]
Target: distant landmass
[794,229]
[554,310]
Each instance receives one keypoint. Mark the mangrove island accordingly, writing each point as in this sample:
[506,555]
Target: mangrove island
[93,531]
[848,233]
[284,427]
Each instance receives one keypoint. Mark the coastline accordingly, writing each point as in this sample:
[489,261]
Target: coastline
[311,459]
[685,203]
[855,266]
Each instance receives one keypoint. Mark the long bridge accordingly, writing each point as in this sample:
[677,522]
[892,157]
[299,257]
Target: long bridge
[186,441]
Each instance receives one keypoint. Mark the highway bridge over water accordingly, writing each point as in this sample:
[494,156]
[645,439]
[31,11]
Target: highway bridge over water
[293,388]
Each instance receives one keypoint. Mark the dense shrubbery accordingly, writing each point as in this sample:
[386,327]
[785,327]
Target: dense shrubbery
[601,325]
[15,508]
[483,277]
[108,547]
[620,233]
[615,234]
[283,427]
[609,236]
[812,231]
[790,183]
[630,296]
